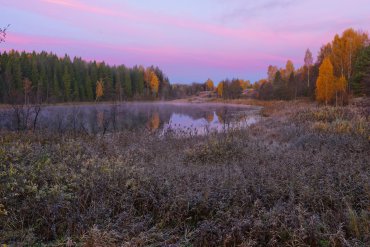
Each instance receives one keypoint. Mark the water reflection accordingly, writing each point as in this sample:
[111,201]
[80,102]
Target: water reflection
[154,121]
[210,116]
[104,118]
[213,122]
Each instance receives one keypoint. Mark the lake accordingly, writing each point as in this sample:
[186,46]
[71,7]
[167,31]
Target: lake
[103,118]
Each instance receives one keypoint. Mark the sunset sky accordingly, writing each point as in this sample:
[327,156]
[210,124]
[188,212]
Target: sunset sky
[190,40]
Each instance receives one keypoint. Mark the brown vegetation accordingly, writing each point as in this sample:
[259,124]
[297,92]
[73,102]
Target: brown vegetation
[281,182]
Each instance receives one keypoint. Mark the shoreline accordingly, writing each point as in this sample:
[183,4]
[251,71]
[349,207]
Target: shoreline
[166,102]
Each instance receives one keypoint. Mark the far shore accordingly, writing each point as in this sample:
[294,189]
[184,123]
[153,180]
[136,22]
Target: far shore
[186,101]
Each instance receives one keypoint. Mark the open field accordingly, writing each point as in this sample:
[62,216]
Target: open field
[299,177]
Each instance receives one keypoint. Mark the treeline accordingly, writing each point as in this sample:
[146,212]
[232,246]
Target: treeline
[342,68]
[45,77]
[227,89]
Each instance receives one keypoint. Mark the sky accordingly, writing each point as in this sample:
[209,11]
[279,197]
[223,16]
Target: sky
[190,40]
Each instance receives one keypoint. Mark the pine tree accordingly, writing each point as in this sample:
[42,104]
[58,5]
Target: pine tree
[89,90]
[67,84]
[292,87]
[118,85]
[361,78]
[280,87]
[17,75]
[56,88]
[127,84]
[137,80]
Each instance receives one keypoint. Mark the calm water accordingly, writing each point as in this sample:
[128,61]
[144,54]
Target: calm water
[97,118]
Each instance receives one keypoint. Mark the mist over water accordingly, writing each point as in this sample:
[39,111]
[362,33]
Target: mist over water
[105,118]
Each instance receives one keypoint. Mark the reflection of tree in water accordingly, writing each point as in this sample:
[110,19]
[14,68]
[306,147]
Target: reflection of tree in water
[100,118]
[210,116]
[154,121]
[220,117]
[225,116]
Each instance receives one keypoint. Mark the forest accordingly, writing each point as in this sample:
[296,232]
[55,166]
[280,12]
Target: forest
[46,78]
[342,68]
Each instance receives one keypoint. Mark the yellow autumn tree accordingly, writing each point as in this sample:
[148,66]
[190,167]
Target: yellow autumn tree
[147,74]
[209,85]
[99,89]
[289,68]
[340,89]
[244,84]
[341,84]
[220,89]
[325,84]
[344,51]
[154,83]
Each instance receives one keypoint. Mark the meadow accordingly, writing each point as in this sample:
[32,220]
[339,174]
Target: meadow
[298,177]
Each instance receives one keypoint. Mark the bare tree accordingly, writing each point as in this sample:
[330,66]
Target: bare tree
[36,110]
[3,33]
[308,61]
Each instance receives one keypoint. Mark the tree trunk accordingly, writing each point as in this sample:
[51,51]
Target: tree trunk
[308,77]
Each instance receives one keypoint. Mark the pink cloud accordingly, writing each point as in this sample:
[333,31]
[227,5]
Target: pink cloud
[235,40]
[77,5]
[117,54]
[52,9]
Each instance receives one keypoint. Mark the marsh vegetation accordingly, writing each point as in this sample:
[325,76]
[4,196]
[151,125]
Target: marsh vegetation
[298,177]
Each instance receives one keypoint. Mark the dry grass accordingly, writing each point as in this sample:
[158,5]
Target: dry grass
[279,183]
[340,120]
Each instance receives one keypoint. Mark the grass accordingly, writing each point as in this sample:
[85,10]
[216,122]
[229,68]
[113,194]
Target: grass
[281,182]
[348,120]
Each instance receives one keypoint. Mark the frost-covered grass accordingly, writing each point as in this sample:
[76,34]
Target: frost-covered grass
[281,182]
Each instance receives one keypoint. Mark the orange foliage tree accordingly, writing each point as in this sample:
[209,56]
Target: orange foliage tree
[154,83]
[289,69]
[340,89]
[99,89]
[271,72]
[209,85]
[151,81]
[220,89]
[244,84]
[344,51]
[325,84]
